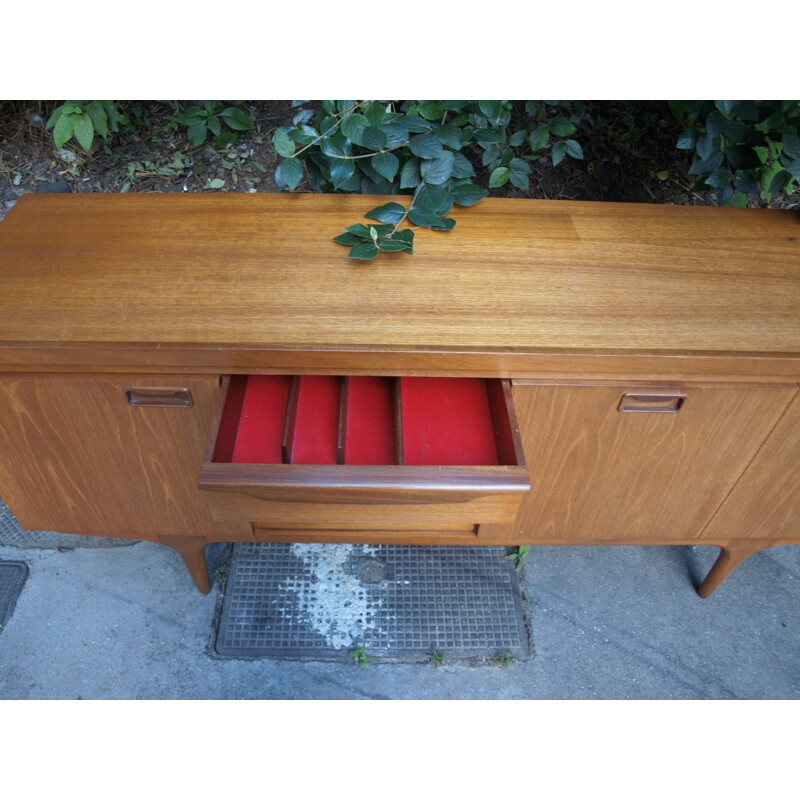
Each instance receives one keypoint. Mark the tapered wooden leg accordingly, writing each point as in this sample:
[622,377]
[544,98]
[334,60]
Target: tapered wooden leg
[192,549]
[729,559]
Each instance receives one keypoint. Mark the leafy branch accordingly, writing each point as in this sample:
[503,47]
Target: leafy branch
[430,149]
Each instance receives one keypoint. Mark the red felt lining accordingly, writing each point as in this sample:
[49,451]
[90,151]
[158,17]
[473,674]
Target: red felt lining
[229,422]
[260,433]
[369,421]
[317,424]
[447,421]
[506,452]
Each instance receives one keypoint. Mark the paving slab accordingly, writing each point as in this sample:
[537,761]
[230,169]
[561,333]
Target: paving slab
[612,622]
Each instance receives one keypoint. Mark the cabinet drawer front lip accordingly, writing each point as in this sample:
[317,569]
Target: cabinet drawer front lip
[384,484]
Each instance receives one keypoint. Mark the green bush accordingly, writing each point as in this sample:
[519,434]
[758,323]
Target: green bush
[82,119]
[742,146]
[428,148]
[200,122]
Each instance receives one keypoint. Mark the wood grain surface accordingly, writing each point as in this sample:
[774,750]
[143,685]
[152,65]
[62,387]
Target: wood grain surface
[216,272]
[77,458]
[597,473]
[765,503]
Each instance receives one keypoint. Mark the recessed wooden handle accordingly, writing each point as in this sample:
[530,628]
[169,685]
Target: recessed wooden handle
[652,403]
[158,396]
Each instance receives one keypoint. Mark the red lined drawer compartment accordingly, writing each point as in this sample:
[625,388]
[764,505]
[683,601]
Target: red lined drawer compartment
[312,419]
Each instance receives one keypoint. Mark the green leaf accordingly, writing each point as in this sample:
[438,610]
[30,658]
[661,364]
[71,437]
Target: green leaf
[705,147]
[83,130]
[363,231]
[406,236]
[462,168]
[54,117]
[190,115]
[678,108]
[488,137]
[217,183]
[426,145]
[494,111]
[63,130]
[374,112]
[517,138]
[780,181]
[520,180]
[663,175]
[519,165]
[687,140]
[793,168]
[467,194]
[214,126]
[747,184]
[391,213]
[791,145]
[197,132]
[719,178]
[561,126]
[415,124]
[373,138]
[449,135]
[291,172]
[434,199]
[539,138]
[236,118]
[283,145]
[364,251]
[705,166]
[499,177]
[574,150]
[97,114]
[438,170]
[353,126]
[410,176]
[430,111]
[444,224]
[341,171]
[386,164]
[558,153]
[420,216]
[348,239]
[394,245]
[305,134]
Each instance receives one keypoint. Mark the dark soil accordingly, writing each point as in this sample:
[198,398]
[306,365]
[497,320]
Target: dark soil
[629,150]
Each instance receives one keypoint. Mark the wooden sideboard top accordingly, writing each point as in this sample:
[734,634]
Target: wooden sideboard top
[259,271]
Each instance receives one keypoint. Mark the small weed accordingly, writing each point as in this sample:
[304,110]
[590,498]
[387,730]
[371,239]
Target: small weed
[221,573]
[519,554]
[437,659]
[359,655]
[503,659]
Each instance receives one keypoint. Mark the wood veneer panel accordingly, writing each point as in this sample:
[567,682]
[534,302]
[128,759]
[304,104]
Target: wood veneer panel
[75,457]
[765,503]
[229,271]
[600,474]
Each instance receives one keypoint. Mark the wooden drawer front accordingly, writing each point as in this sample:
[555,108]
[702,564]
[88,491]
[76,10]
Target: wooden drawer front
[600,472]
[270,533]
[367,450]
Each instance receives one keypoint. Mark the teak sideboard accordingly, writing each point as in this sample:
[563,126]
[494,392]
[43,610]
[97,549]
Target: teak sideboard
[190,369]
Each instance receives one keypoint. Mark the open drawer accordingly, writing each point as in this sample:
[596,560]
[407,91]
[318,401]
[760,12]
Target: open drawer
[310,450]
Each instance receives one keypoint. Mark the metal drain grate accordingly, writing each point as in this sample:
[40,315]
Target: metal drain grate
[12,579]
[399,602]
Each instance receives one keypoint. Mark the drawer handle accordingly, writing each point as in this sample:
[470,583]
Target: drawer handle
[167,398]
[652,403]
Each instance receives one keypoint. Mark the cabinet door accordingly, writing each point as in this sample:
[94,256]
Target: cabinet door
[765,503]
[80,455]
[656,472]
